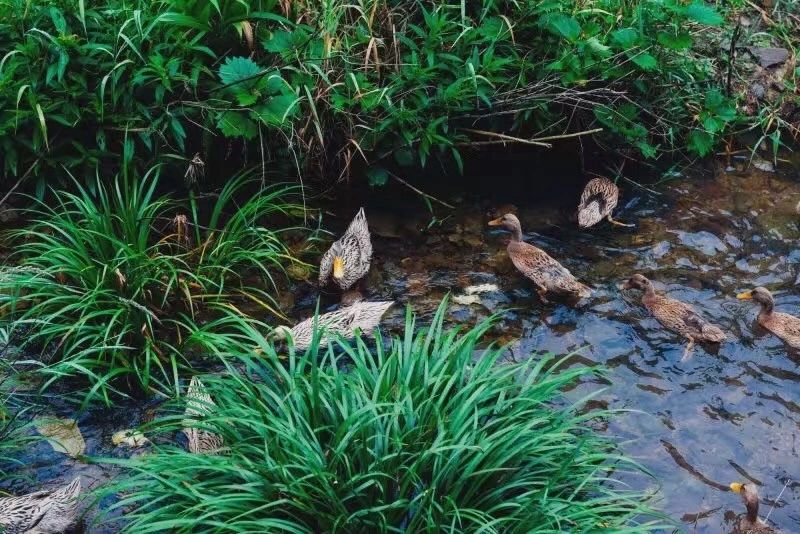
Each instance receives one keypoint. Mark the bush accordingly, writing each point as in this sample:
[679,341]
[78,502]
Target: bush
[420,436]
[114,285]
[349,81]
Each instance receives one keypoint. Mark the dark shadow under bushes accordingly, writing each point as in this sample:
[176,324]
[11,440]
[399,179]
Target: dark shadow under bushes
[110,283]
[415,435]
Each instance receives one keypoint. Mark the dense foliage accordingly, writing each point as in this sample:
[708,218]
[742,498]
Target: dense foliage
[418,436]
[329,84]
[111,282]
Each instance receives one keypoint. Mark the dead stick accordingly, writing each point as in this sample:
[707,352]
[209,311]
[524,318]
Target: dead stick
[16,185]
[423,193]
[508,137]
[567,136]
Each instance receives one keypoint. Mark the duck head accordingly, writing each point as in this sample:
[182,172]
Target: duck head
[509,222]
[637,281]
[750,497]
[338,261]
[760,295]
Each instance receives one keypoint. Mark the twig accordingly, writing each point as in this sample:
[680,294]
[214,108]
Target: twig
[732,55]
[508,137]
[788,481]
[567,136]
[423,193]
[16,185]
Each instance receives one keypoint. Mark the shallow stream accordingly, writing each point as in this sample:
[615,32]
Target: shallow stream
[728,415]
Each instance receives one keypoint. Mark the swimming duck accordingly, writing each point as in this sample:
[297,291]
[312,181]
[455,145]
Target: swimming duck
[199,404]
[43,512]
[538,265]
[344,322]
[598,200]
[750,524]
[675,315]
[348,259]
[783,325]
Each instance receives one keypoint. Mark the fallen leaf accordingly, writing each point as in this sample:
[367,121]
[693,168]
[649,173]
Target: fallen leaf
[63,435]
[129,438]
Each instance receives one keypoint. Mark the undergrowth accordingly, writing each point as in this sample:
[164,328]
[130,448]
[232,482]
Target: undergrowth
[416,434]
[110,283]
[336,85]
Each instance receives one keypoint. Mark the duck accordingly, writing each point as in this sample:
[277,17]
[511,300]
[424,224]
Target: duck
[783,325]
[598,200]
[546,272]
[345,322]
[750,523]
[676,315]
[348,259]
[43,512]
[199,404]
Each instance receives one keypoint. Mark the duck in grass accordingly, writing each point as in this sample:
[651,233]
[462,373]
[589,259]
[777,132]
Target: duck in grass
[750,523]
[349,258]
[675,315]
[598,200]
[199,404]
[783,325]
[536,264]
[43,512]
[344,322]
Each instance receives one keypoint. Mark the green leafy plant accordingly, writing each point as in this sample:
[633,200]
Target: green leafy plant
[337,85]
[416,434]
[113,284]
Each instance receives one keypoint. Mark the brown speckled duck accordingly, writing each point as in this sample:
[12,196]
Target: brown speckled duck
[199,405]
[598,200]
[675,315]
[43,512]
[783,325]
[750,523]
[548,275]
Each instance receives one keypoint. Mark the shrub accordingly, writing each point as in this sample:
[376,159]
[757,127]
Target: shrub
[114,285]
[419,436]
[336,82]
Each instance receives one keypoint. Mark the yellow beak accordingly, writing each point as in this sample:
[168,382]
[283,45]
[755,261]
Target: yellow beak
[737,487]
[496,222]
[747,295]
[338,268]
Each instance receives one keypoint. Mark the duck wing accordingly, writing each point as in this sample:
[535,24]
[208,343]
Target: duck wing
[545,271]
[684,319]
[785,326]
[598,200]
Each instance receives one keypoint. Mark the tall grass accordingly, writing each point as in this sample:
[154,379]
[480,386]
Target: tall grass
[111,284]
[426,432]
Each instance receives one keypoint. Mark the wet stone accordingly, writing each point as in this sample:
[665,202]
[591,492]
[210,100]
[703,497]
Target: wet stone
[768,56]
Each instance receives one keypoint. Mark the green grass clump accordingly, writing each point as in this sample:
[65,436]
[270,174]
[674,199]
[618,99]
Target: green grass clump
[110,283]
[430,433]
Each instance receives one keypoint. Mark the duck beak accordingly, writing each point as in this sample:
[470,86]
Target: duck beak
[747,295]
[737,487]
[338,268]
[496,222]
[625,285]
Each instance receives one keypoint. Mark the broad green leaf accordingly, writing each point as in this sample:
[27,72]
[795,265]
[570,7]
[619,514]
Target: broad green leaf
[674,41]
[279,41]
[703,14]
[700,142]
[564,25]
[277,109]
[377,176]
[626,37]
[237,124]
[238,69]
[645,61]
[598,47]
